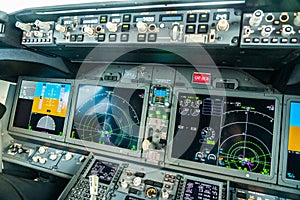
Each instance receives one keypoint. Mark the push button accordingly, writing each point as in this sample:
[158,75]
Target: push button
[72,38]
[274,40]
[103,19]
[191,18]
[284,40]
[125,27]
[203,17]
[265,40]
[152,37]
[124,38]
[101,37]
[80,38]
[294,40]
[256,40]
[112,37]
[190,29]
[202,28]
[127,18]
[247,40]
[141,37]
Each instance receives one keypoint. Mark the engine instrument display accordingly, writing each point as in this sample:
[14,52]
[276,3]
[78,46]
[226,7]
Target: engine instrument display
[293,159]
[42,107]
[230,132]
[108,115]
[199,190]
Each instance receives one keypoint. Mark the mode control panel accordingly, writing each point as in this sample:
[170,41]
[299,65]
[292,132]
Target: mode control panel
[271,29]
[211,26]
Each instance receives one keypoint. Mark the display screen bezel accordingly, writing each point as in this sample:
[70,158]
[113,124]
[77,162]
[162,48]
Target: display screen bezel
[283,180]
[102,147]
[272,178]
[14,130]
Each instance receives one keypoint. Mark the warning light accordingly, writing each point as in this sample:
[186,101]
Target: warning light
[201,78]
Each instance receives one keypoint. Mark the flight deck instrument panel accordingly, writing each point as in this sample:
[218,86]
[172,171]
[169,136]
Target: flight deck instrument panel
[42,108]
[108,116]
[233,134]
[199,26]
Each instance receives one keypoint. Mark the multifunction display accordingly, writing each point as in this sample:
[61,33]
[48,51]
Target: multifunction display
[108,115]
[42,106]
[231,132]
[293,160]
[104,170]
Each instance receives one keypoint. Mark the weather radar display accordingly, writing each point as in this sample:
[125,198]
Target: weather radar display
[108,115]
[230,132]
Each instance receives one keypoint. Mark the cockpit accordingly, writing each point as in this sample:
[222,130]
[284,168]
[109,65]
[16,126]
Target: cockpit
[150,100]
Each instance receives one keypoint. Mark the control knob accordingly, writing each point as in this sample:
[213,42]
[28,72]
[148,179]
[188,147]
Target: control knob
[142,27]
[223,25]
[256,18]
[68,156]
[38,34]
[35,158]
[60,28]
[43,160]
[287,31]
[267,30]
[297,20]
[112,27]
[137,181]
[42,149]
[23,26]
[53,157]
[88,30]
[165,194]
[124,184]
[42,25]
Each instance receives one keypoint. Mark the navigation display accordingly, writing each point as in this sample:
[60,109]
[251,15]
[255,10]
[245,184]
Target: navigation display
[42,106]
[109,116]
[230,132]
[293,159]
